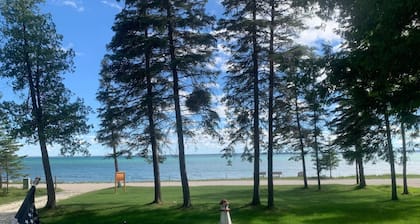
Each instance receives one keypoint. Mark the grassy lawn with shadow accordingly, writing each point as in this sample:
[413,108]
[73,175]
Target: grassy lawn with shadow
[333,204]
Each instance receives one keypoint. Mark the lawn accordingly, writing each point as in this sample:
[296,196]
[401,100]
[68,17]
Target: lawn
[333,204]
[17,194]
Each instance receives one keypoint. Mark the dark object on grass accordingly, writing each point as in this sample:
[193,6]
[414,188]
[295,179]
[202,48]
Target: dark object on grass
[27,212]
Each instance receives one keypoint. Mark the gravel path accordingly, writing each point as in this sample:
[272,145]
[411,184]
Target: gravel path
[8,211]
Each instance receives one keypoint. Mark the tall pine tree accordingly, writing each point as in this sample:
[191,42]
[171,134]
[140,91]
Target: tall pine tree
[161,52]
[32,57]
[240,32]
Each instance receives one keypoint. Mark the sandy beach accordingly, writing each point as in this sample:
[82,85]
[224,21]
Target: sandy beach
[72,189]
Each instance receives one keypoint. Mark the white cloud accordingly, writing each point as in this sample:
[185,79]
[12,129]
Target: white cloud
[220,60]
[78,5]
[112,4]
[319,31]
[70,46]
[221,108]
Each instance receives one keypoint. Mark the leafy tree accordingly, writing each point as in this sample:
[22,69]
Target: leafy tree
[190,48]
[160,52]
[357,128]
[133,106]
[404,159]
[240,31]
[111,133]
[316,98]
[32,56]
[329,160]
[293,126]
[410,121]
[382,41]
[283,23]
[10,163]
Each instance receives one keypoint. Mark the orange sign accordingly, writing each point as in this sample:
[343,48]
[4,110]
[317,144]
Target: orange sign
[119,176]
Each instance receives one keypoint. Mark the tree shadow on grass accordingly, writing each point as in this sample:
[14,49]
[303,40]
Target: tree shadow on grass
[333,204]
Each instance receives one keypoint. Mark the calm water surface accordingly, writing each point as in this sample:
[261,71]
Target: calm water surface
[199,167]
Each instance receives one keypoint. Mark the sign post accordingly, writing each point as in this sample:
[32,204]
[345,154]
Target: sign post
[119,176]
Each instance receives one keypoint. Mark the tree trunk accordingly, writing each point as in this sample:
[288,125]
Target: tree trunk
[317,166]
[330,172]
[256,128]
[152,131]
[256,118]
[318,169]
[270,183]
[394,195]
[115,157]
[359,161]
[7,178]
[155,155]
[357,172]
[179,128]
[39,122]
[302,147]
[51,202]
[404,146]
[362,181]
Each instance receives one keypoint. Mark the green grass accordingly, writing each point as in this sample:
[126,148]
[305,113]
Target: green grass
[384,176]
[17,194]
[333,204]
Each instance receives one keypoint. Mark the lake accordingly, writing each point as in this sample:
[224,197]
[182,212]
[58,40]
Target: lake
[199,167]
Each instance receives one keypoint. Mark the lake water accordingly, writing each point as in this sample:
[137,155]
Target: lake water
[199,167]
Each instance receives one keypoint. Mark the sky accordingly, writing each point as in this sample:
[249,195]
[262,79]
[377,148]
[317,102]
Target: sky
[86,28]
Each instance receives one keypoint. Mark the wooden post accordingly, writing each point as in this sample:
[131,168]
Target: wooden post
[119,176]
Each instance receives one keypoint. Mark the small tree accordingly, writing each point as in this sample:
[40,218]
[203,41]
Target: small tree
[10,162]
[329,160]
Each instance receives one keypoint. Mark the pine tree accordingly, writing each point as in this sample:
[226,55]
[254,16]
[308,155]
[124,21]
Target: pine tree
[329,160]
[111,133]
[190,51]
[160,51]
[293,124]
[240,31]
[134,106]
[283,24]
[316,98]
[32,56]
[10,163]
[381,43]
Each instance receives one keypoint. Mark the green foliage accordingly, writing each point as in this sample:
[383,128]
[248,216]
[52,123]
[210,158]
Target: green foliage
[32,57]
[329,160]
[10,163]
[334,204]
[125,92]
[382,38]
[198,99]
[160,50]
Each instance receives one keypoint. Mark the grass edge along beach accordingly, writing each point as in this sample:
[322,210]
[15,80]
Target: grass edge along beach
[332,204]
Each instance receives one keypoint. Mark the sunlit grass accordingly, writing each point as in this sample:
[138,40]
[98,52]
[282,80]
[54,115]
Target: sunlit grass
[333,204]
[16,194]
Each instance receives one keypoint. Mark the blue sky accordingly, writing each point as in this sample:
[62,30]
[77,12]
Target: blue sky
[86,28]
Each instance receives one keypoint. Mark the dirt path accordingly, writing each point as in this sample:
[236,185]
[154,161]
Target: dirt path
[8,211]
